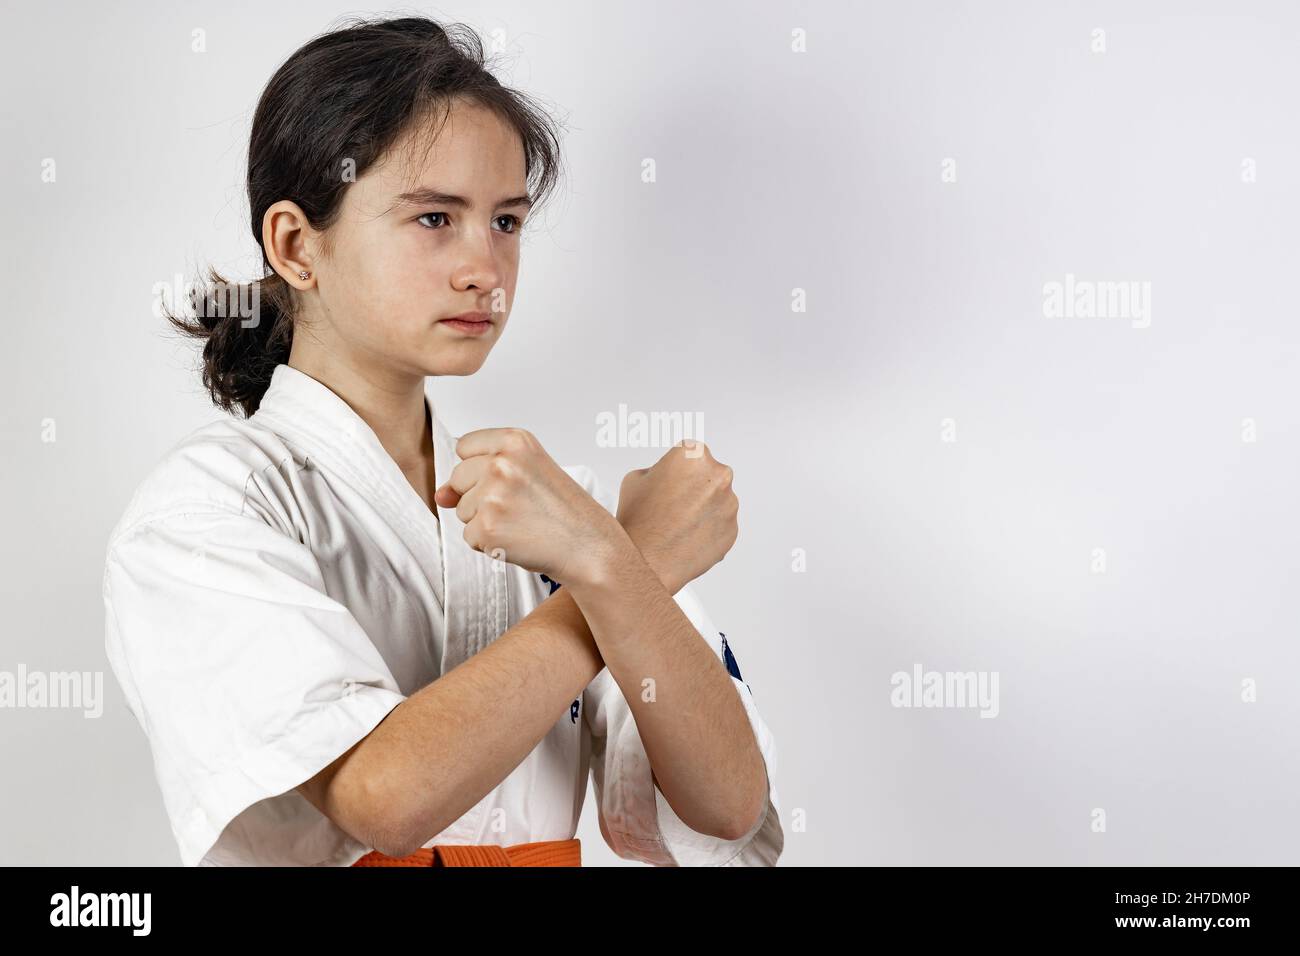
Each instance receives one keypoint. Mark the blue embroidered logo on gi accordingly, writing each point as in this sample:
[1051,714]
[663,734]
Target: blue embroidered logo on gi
[730,659]
[573,709]
[555,585]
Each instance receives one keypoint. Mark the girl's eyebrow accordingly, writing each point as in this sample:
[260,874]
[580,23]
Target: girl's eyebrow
[433,197]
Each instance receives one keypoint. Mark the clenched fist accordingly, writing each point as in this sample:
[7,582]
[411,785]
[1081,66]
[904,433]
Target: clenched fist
[680,513]
[518,504]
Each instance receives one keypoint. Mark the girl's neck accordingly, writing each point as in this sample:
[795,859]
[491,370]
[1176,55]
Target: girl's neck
[392,404]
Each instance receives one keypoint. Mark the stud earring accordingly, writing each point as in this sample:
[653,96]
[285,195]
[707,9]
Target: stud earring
[304,274]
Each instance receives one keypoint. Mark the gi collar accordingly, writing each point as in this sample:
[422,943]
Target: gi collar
[307,414]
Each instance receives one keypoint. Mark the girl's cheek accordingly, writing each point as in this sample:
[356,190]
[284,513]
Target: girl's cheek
[397,274]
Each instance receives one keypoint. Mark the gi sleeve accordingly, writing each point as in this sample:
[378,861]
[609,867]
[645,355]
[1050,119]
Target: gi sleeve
[246,677]
[636,819]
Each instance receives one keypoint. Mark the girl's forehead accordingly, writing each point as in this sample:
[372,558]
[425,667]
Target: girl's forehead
[474,151]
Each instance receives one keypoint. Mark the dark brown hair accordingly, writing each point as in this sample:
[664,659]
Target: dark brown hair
[347,95]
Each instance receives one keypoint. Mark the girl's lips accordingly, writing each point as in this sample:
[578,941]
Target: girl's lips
[467,327]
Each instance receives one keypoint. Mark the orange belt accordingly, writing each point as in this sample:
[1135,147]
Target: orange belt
[545,853]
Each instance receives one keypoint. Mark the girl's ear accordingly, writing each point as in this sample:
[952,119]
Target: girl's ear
[285,230]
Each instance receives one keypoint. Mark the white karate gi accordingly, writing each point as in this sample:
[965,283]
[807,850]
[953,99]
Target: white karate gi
[276,586]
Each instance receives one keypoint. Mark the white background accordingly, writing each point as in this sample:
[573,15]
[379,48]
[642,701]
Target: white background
[776,170]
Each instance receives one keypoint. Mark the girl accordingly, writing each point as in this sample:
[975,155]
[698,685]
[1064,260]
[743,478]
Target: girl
[353,639]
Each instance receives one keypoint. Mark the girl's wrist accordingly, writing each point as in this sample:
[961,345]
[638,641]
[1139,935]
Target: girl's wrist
[606,560]
[663,569]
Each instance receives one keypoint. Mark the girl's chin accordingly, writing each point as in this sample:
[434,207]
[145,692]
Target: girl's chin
[447,362]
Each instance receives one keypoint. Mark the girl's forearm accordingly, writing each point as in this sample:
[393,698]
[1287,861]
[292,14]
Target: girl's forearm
[692,722]
[442,749]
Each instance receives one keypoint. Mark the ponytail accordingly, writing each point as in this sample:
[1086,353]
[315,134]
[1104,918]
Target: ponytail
[246,330]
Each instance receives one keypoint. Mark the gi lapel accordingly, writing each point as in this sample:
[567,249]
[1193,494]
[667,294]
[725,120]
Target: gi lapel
[308,415]
[475,589]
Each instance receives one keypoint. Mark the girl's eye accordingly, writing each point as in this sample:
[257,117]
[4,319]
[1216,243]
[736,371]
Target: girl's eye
[514,223]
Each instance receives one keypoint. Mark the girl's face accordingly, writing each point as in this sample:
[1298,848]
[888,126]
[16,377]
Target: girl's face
[422,236]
